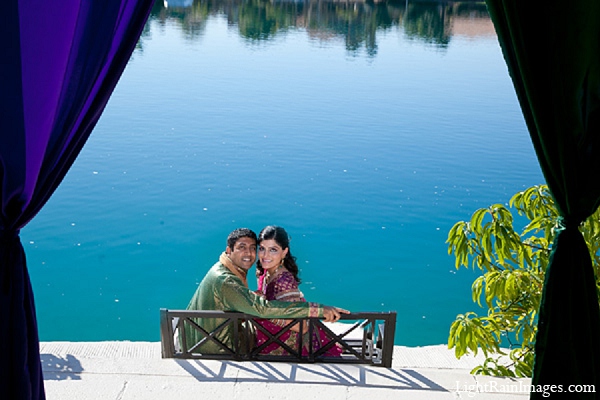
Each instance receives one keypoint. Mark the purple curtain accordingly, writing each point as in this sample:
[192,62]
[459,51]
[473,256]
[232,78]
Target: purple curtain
[60,63]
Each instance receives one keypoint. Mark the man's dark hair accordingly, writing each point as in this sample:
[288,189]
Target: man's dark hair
[238,234]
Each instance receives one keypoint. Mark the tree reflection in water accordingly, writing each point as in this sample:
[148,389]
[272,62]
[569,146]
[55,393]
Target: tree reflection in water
[355,22]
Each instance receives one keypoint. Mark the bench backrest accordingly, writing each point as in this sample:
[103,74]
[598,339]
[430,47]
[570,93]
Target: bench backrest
[365,337]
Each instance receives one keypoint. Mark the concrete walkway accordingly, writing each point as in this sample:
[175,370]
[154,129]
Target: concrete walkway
[136,371]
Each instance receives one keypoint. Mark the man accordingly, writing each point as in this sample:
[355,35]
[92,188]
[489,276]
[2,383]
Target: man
[225,287]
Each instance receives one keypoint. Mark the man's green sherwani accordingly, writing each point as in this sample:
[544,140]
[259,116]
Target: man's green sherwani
[221,289]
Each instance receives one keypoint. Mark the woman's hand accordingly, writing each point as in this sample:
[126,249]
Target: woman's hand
[296,327]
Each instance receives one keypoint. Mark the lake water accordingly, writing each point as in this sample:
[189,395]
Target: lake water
[366,130]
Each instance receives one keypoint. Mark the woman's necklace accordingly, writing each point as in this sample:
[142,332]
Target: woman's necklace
[270,276]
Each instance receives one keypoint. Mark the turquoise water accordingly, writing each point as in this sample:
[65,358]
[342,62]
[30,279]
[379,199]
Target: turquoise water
[366,151]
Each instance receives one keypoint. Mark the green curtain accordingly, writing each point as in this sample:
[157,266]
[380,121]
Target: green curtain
[552,49]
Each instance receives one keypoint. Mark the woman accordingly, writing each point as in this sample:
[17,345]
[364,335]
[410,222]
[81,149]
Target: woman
[277,274]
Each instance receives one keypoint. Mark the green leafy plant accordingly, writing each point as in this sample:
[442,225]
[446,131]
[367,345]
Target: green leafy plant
[512,268]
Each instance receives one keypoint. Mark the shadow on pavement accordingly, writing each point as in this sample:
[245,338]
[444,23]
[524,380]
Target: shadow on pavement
[58,368]
[322,374]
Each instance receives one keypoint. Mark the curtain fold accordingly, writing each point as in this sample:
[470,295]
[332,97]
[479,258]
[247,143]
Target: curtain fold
[552,50]
[60,64]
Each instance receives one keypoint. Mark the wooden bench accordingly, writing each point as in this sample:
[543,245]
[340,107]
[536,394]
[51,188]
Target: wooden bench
[365,337]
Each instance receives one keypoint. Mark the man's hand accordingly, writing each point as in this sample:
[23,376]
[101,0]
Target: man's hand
[332,314]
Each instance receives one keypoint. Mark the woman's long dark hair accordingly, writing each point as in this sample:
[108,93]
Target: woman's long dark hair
[280,236]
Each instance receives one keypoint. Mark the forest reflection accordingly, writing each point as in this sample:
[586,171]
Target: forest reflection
[357,23]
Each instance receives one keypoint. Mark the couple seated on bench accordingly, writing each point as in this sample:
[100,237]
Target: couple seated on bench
[277,300]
